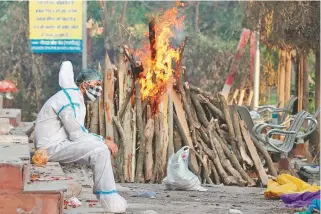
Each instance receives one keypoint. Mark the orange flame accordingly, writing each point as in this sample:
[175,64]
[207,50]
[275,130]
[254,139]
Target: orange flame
[158,73]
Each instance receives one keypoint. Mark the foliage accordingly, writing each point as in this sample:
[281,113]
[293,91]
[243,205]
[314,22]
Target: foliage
[207,55]
[284,24]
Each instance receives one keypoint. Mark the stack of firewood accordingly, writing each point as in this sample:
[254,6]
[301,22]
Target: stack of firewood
[149,130]
[222,149]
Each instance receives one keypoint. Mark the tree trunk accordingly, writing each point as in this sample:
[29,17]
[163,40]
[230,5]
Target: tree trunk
[316,135]
[288,76]
[300,83]
[305,103]
[281,95]
[197,12]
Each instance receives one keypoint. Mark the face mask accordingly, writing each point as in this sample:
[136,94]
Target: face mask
[93,92]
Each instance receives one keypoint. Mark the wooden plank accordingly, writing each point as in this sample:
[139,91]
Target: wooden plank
[133,140]
[170,149]
[165,132]
[240,102]
[254,154]
[127,144]
[249,100]
[108,96]
[181,116]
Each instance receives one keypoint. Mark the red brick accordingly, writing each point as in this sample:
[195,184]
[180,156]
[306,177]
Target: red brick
[31,203]
[11,178]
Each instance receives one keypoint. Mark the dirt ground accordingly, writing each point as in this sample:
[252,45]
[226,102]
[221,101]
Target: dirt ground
[217,200]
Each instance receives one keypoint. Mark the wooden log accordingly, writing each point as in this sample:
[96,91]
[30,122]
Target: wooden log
[213,154]
[170,150]
[240,142]
[101,118]
[181,117]
[206,94]
[108,96]
[205,166]
[158,149]
[119,129]
[249,99]
[128,146]
[181,130]
[265,155]
[145,103]
[281,97]
[178,65]
[231,156]
[88,115]
[203,135]
[94,123]
[200,111]
[234,97]
[287,89]
[148,163]
[227,115]
[189,101]
[141,138]
[217,112]
[229,125]
[133,140]
[215,173]
[225,162]
[177,140]
[164,122]
[129,92]
[253,152]
[300,82]
[241,98]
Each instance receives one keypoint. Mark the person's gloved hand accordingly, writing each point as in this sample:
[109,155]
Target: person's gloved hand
[112,146]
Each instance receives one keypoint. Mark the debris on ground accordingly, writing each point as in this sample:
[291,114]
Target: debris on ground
[287,184]
[40,157]
[73,202]
[235,211]
[146,194]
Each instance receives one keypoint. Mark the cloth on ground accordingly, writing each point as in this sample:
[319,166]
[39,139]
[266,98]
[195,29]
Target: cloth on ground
[314,206]
[60,130]
[287,184]
[299,199]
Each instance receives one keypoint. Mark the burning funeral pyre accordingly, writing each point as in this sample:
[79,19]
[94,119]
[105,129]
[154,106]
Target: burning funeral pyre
[157,112]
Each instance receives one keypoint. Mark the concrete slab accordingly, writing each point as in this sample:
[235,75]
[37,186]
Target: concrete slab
[14,115]
[49,171]
[14,163]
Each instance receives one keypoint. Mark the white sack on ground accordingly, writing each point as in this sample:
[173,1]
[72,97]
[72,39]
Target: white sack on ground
[179,177]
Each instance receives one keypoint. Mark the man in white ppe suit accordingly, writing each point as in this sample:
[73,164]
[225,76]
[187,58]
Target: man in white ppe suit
[60,130]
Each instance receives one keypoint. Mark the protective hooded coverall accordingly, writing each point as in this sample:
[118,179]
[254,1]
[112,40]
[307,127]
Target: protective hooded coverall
[60,130]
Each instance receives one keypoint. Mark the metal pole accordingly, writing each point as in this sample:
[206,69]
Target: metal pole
[84,35]
[257,72]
